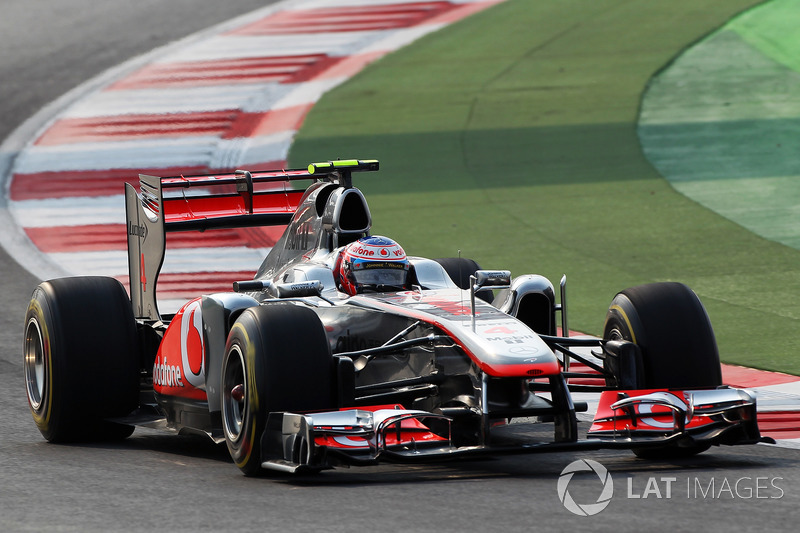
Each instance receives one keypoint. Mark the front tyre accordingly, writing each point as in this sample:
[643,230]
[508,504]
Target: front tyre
[277,358]
[460,269]
[679,351]
[80,358]
[672,329]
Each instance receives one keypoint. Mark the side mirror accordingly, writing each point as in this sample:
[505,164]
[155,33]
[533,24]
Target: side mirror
[492,278]
[483,279]
[299,290]
[252,285]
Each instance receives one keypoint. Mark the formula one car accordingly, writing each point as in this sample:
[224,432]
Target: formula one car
[344,351]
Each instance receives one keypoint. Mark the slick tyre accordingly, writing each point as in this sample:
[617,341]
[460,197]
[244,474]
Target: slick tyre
[670,325]
[81,359]
[672,329]
[277,358]
[460,269]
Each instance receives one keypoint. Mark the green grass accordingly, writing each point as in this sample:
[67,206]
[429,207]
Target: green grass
[511,136]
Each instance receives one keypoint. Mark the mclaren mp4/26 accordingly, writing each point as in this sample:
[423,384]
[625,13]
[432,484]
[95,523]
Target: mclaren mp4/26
[344,351]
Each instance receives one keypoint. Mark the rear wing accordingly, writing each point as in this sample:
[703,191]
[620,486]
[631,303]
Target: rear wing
[197,203]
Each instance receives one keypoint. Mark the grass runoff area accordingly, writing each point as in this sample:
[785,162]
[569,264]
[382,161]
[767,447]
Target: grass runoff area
[512,136]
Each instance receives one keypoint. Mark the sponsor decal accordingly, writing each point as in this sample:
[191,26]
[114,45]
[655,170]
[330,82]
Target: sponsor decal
[524,350]
[368,252]
[449,307]
[138,230]
[354,343]
[166,375]
[180,367]
[500,330]
[512,339]
[379,264]
[192,358]
[304,285]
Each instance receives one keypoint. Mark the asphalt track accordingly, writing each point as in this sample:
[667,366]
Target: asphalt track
[181,484]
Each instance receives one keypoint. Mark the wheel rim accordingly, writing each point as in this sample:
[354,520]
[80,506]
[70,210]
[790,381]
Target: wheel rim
[35,367]
[234,404]
[615,335]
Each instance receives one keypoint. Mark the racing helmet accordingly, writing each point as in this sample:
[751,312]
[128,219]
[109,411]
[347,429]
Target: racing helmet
[372,264]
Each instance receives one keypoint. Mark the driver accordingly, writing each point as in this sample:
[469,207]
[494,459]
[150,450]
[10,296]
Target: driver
[372,264]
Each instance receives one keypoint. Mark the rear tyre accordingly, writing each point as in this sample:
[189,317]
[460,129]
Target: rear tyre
[81,359]
[679,351]
[460,269]
[277,358]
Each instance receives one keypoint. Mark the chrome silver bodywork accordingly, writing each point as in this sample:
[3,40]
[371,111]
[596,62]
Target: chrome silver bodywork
[426,373]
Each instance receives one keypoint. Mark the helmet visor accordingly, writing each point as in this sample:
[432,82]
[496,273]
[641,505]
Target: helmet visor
[389,274]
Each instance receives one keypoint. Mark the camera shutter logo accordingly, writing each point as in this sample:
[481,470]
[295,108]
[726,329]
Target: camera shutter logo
[586,509]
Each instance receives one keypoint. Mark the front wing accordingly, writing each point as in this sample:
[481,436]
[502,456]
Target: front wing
[296,442]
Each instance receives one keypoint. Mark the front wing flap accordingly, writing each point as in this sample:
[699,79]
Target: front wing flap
[718,416]
[295,442]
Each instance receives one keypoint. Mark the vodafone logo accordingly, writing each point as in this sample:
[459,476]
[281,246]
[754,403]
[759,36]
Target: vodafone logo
[166,375]
[605,489]
[368,251]
[192,345]
[361,251]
